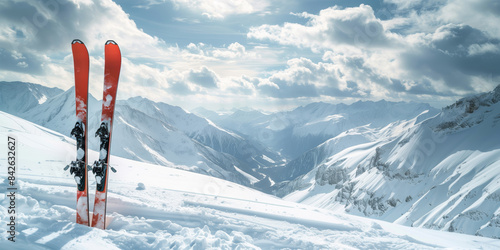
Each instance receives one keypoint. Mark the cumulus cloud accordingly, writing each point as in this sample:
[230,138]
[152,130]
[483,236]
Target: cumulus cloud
[221,9]
[483,49]
[35,34]
[19,62]
[216,9]
[49,26]
[421,49]
[480,14]
[304,78]
[440,59]
[234,50]
[203,77]
[356,27]
[243,85]
[451,57]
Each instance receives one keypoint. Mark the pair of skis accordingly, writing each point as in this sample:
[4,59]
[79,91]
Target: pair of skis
[112,64]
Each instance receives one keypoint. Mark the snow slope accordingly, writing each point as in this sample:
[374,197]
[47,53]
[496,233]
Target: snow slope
[156,207]
[441,173]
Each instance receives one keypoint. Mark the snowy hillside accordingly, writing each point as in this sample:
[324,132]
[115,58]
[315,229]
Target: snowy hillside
[154,133]
[442,173]
[156,207]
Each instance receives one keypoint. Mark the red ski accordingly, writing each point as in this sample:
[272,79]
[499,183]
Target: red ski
[112,64]
[79,167]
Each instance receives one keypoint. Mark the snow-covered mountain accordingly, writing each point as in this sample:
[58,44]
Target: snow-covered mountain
[19,97]
[307,135]
[293,133]
[441,173]
[157,207]
[152,132]
[237,148]
[352,137]
[207,133]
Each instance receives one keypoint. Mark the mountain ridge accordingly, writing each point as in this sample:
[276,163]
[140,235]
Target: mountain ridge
[444,168]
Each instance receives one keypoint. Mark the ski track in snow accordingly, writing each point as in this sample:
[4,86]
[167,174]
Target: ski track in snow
[176,209]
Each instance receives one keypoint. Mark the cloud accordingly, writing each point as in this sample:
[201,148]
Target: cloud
[203,77]
[355,27]
[304,78]
[451,57]
[34,36]
[438,59]
[453,39]
[175,82]
[417,50]
[234,50]
[215,9]
[479,14]
[243,85]
[483,49]
[50,26]
[231,61]
[19,62]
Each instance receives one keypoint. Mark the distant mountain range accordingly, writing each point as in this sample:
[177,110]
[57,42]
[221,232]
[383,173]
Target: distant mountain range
[308,135]
[247,147]
[403,162]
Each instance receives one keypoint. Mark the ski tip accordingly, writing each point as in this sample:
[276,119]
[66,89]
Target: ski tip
[110,42]
[76,41]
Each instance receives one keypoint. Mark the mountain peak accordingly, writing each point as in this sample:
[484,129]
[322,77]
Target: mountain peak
[27,96]
[497,89]
[473,102]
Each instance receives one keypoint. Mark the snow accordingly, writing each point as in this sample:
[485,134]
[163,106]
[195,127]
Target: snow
[81,206]
[98,179]
[80,153]
[103,153]
[99,210]
[42,99]
[249,177]
[265,157]
[180,209]
[78,179]
[107,101]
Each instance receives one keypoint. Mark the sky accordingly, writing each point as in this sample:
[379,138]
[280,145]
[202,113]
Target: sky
[261,54]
